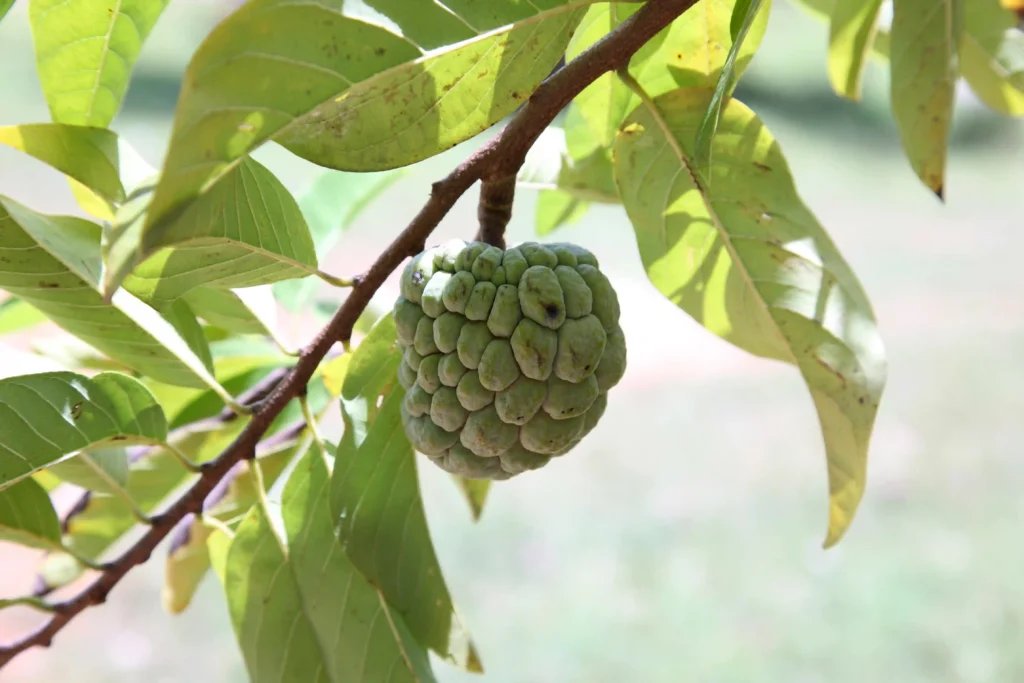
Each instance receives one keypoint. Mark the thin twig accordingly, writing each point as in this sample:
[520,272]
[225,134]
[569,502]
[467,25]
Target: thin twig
[499,158]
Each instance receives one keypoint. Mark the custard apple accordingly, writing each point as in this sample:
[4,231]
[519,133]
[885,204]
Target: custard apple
[507,355]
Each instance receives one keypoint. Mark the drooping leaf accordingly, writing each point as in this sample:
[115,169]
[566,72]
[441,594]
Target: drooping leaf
[992,56]
[926,36]
[27,516]
[48,416]
[745,15]
[305,613]
[247,231]
[188,561]
[475,493]
[331,205]
[750,262]
[53,263]
[104,470]
[852,30]
[85,51]
[375,496]
[373,365]
[690,52]
[348,93]
[16,315]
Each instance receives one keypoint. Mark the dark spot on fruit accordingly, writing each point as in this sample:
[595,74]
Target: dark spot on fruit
[417,277]
[586,367]
[551,310]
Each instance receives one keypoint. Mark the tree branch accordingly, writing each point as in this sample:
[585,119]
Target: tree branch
[494,162]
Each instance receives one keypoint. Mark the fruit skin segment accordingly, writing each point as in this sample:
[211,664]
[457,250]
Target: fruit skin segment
[508,355]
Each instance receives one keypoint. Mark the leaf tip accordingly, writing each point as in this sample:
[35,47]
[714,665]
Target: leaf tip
[940,192]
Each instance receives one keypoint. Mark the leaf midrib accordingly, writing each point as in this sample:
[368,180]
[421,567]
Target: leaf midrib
[723,234]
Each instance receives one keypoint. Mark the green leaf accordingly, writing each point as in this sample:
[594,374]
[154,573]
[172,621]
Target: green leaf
[27,516]
[567,185]
[74,354]
[373,366]
[51,415]
[926,38]
[331,205]
[852,30]
[100,469]
[992,56]
[345,92]
[53,263]
[89,155]
[475,493]
[751,263]
[691,52]
[745,14]
[248,230]
[100,521]
[306,613]
[556,208]
[188,557]
[16,315]
[242,311]
[85,51]
[5,7]
[376,498]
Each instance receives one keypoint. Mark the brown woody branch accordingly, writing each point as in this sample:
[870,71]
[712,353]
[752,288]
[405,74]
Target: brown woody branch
[494,163]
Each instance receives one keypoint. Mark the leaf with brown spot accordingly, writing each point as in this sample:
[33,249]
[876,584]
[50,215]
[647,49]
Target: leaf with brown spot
[750,262]
[925,41]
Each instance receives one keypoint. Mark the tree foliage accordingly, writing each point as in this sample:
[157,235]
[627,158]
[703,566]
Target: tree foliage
[178,406]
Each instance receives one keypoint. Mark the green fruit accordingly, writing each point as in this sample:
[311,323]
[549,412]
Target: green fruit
[507,355]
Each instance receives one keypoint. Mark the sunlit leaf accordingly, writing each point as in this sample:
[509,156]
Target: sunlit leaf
[691,52]
[85,51]
[749,261]
[347,92]
[992,56]
[48,416]
[247,231]
[745,15]
[16,315]
[53,263]
[305,613]
[851,32]
[556,208]
[27,516]
[926,36]
[331,205]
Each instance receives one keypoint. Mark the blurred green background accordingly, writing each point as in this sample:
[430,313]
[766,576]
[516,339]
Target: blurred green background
[682,540]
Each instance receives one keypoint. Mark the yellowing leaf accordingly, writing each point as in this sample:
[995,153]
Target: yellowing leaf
[750,262]
[992,56]
[925,41]
[853,26]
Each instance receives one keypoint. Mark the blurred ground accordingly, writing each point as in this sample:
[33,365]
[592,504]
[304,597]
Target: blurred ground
[682,541]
